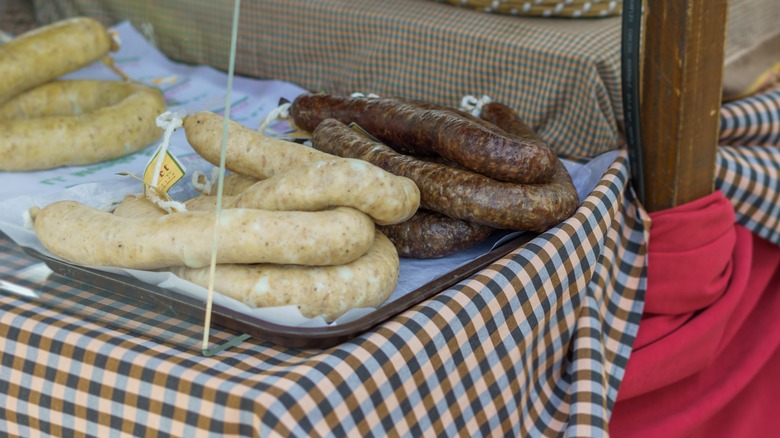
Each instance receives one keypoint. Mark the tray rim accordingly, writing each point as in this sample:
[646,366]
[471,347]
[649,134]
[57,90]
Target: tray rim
[262,330]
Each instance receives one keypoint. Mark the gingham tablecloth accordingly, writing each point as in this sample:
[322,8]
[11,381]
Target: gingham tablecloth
[749,161]
[535,344]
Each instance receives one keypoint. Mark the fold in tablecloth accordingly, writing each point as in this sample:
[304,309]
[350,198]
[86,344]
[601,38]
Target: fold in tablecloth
[753,120]
[705,359]
[749,177]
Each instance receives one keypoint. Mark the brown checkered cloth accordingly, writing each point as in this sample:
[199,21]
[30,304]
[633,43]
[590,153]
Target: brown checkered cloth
[749,161]
[562,75]
[752,121]
[412,48]
[535,344]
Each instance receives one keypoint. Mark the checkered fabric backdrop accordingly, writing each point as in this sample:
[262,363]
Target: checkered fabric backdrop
[346,46]
[538,66]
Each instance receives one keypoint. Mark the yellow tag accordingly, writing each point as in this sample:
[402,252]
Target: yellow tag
[171,171]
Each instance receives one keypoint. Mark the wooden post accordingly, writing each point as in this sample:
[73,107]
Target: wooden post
[682,81]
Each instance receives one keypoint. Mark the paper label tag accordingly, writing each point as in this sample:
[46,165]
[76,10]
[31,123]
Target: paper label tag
[171,171]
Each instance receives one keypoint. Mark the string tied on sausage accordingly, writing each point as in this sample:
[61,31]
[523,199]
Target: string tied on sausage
[116,43]
[473,104]
[169,121]
[368,96]
[204,184]
[282,113]
[109,62]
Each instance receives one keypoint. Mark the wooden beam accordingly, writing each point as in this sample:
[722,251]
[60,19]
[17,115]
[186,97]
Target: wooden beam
[682,80]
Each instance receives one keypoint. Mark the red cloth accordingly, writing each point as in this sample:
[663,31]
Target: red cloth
[706,361]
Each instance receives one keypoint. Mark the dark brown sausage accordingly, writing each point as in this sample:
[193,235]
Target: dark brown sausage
[416,129]
[488,124]
[457,193]
[428,235]
[505,118]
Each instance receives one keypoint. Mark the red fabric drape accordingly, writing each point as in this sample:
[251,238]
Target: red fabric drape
[706,361]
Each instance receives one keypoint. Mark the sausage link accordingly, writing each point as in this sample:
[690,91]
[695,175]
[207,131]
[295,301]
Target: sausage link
[48,52]
[329,291]
[249,152]
[88,236]
[77,122]
[416,129]
[504,117]
[428,235]
[461,194]
[344,182]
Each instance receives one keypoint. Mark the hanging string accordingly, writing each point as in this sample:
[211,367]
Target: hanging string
[218,212]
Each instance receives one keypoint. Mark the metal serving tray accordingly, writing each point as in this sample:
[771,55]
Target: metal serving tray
[288,336]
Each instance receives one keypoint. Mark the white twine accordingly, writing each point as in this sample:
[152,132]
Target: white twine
[169,121]
[281,112]
[169,206]
[361,95]
[147,30]
[27,220]
[474,105]
[116,38]
[204,184]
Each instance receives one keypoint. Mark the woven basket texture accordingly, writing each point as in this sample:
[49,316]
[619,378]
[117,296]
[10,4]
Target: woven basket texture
[543,8]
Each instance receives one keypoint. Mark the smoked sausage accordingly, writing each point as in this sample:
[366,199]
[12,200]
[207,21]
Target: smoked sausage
[457,193]
[428,235]
[505,118]
[416,129]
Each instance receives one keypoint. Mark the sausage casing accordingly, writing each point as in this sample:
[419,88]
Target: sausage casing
[248,151]
[417,129]
[317,290]
[77,122]
[344,182]
[504,117]
[87,236]
[457,193]
[48,52]
[428,235]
